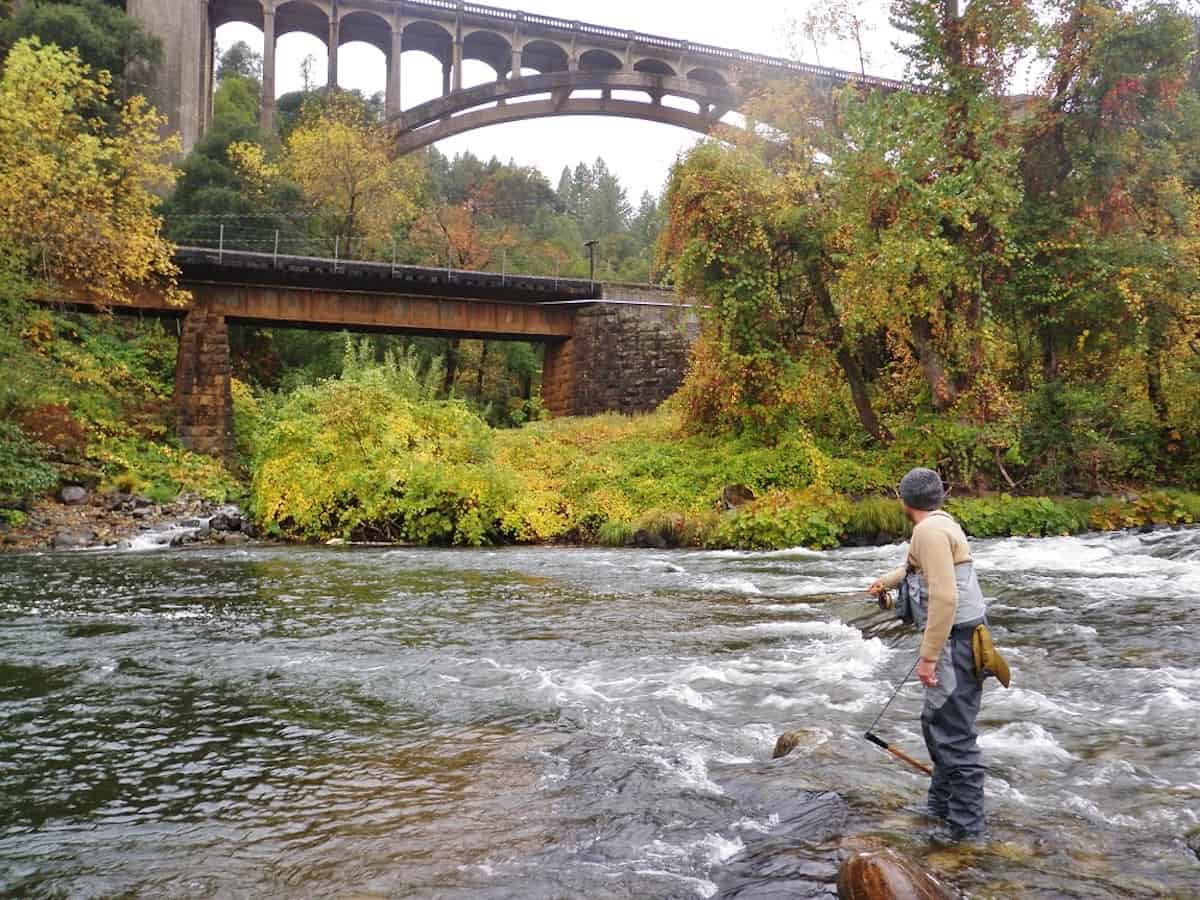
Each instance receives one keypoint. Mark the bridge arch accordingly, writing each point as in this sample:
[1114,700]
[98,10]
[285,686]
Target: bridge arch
[367,27]
[489,48]
[708,76]
[545,56]
[600,60]
[303,16]
[653,66]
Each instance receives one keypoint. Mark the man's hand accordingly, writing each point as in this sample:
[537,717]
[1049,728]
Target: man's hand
[927,672]
[876,589]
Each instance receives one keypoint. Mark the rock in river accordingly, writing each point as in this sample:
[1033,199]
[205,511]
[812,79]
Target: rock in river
[72,495]
[886,875]
[74,538]
[791,740]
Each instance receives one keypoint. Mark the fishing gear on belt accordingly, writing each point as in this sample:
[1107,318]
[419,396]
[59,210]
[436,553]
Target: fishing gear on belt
[988,660]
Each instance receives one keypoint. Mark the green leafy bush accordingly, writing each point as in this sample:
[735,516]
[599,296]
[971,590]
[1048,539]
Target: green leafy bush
[23,473]
[811,518]
[1006,516]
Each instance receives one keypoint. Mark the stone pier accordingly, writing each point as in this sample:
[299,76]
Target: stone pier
[625,356]
[203,385]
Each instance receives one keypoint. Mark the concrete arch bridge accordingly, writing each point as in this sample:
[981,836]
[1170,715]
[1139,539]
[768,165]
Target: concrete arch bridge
[544,66]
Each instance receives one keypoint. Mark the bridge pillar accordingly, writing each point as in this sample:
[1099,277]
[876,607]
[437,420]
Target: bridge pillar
[267,106]
[626,356]
[458,62]
[333,50]
[204,385]
[558,378]
[392,101]
[178,84]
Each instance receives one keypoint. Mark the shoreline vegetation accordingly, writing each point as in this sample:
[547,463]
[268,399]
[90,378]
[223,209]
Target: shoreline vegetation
[915,282]
[374,456]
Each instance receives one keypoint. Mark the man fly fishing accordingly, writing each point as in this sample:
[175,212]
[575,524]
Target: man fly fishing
[940,594]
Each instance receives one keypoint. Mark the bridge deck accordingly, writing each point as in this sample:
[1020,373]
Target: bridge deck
[202,265]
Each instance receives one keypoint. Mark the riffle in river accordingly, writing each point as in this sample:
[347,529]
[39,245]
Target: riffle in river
[547,723]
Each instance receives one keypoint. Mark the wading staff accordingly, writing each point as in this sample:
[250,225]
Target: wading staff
[880,742]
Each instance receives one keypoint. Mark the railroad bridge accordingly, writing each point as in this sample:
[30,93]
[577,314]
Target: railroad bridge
[544,66]
[608,347]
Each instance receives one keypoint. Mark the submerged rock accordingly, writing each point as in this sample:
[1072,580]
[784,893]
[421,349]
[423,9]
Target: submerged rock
[792,740]
[886,875]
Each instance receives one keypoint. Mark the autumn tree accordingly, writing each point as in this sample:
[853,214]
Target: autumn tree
[105,36]
[357,189]
[1108,224]
[77,197]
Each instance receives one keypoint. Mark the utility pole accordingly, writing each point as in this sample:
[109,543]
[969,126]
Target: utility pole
[591,245]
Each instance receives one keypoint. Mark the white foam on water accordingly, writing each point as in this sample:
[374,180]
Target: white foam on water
[1025,703]
[808,629]
[728,586]
[1089,810]
[754,825]
[692,769]
[718,849]
[685,694]
[1024,740]
[776,701]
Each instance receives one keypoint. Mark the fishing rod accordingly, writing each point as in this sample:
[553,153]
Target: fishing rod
[884,745]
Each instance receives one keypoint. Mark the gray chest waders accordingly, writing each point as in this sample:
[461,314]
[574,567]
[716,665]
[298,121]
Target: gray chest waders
[948,716]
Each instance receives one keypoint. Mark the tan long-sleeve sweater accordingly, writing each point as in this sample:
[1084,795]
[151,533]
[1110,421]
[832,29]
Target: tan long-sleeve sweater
[938,545]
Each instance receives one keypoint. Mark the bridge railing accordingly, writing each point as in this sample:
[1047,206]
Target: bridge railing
[276,239]
[661,42]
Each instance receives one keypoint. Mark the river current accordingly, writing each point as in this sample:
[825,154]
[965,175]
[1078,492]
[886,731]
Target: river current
[554,723]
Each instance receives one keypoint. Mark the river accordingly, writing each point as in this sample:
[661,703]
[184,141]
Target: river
[551,723]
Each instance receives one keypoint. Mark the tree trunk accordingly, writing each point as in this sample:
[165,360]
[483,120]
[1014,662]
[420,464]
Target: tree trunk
[848,362]
[941,388]
[451,371]
[1154,385]
[483,355]
[1049,358]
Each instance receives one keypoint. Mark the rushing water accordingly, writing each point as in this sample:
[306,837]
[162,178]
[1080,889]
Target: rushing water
[545,723]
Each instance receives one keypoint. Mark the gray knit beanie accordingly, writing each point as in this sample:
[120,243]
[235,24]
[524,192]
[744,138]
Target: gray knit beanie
[922,489]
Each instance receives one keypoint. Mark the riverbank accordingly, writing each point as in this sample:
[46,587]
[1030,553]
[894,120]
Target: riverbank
[365,458]
[78,519]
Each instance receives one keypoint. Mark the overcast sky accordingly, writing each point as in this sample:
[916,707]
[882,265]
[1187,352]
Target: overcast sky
[640,152]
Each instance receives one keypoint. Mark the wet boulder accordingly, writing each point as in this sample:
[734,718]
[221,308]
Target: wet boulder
[886,875]
[73,495]
[74,539]
[793,740]
[1193,842]
[225,522]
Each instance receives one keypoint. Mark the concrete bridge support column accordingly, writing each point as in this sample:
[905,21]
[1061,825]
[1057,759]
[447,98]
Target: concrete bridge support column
[458,62]
[203,385]
[267,110]
[333,50]
[392,102]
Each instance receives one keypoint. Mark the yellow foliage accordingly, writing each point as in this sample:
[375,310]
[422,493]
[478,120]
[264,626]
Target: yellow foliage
[76,197]
[349,171]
